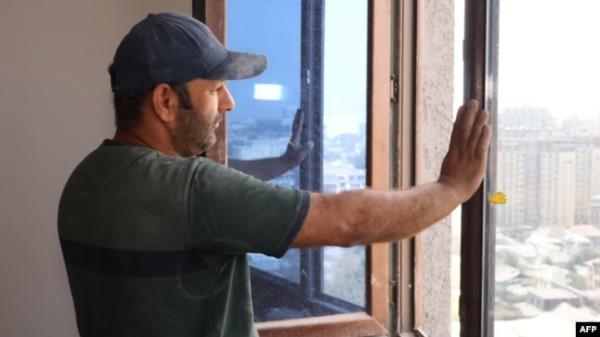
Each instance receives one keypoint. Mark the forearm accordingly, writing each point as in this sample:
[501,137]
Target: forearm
[368,216]
[377,216]
[264,169]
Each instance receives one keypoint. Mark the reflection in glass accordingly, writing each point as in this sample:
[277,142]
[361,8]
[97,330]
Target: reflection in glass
[260,125]
[317,54]
[287,267]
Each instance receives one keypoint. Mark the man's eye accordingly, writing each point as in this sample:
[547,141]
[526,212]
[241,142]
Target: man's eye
[217,88]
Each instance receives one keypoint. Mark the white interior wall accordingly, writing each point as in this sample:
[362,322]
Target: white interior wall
[55,107]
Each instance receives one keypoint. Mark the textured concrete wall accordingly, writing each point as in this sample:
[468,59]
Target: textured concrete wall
[438,59]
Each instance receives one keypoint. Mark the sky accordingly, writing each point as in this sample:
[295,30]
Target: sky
[549,56]
[345,66]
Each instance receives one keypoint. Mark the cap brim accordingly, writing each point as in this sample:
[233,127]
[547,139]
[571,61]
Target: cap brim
[239,66]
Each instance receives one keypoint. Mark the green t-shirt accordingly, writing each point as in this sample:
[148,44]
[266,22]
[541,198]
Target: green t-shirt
[156,245]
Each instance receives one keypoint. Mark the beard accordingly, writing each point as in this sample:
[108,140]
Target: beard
[194,133]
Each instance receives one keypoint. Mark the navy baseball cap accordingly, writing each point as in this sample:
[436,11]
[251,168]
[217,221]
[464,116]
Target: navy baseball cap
[174,48]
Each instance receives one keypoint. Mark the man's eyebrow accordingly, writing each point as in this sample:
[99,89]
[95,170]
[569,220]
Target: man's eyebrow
[217,83]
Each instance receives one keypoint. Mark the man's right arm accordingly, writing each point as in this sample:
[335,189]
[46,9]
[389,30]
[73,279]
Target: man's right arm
[370,216]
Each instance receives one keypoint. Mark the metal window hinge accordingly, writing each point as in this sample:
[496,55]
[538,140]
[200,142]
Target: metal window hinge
[394,88]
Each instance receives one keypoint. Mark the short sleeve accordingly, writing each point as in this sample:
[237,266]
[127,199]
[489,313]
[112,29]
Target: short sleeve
[233,213]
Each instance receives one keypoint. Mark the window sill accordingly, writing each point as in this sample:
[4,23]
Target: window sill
[346,325]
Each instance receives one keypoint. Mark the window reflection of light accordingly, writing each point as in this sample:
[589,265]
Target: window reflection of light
[268,92]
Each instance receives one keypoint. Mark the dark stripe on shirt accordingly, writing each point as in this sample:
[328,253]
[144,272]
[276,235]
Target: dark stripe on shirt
[130,263]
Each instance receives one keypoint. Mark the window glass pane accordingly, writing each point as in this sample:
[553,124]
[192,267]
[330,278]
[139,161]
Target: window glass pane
[345,121]
[317,77]
[548,165]
[260,126]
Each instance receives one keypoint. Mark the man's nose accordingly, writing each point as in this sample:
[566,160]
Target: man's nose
[226,102]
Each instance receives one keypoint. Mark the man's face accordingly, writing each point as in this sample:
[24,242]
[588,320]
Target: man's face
[195,128]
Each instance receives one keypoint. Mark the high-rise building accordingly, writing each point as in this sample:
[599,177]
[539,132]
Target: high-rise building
[556,184]
[530,118]
[549,175]
[512,180]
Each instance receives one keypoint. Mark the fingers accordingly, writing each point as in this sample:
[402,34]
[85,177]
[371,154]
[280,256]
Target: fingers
[468,126]
[297,126]
[464,123]
[480,122]
[466,159]
[455,128]
[483,143]
[467,122]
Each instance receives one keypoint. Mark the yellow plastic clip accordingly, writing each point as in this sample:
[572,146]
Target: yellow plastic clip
[497,198]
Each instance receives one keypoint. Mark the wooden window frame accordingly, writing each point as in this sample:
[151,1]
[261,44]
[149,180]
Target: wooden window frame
[393,107]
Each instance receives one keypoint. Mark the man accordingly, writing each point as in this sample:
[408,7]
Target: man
[155,237]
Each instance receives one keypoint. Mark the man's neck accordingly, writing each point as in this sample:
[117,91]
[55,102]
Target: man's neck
[138,138]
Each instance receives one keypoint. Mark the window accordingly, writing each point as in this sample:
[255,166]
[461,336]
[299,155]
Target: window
[317,68]
[537,276]
[544,256]
[377,151]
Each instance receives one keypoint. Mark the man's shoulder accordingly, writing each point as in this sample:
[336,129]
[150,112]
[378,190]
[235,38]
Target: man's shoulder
[110,156]
[126,189]
[130,164]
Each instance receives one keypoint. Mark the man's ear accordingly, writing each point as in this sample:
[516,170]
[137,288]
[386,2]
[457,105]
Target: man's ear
[165,102]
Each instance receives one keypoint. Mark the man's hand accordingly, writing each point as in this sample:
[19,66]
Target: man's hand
[296,151]
[464,166]
[269,168]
